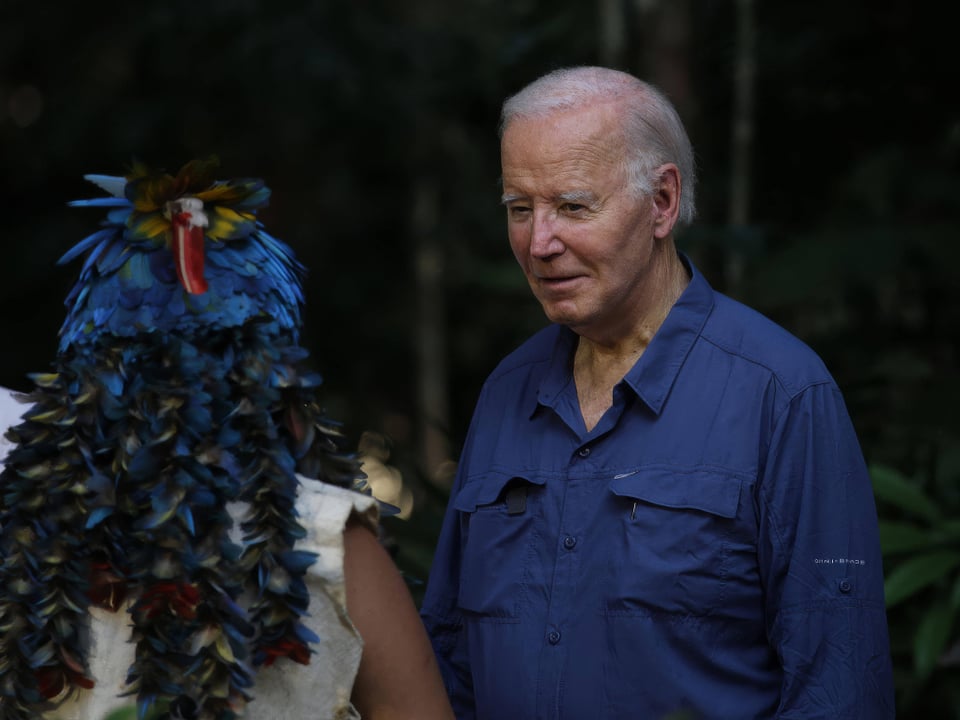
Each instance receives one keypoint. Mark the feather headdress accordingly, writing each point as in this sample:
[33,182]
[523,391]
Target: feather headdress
[179,386]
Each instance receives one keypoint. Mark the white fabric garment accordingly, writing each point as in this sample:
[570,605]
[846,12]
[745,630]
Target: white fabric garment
[286,690]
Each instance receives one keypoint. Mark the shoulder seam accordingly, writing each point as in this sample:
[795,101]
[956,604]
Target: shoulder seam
[773,373]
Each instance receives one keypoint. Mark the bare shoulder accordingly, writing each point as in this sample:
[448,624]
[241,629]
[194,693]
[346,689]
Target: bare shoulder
[398,678]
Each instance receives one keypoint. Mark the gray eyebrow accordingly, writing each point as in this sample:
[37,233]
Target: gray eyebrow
[578,197]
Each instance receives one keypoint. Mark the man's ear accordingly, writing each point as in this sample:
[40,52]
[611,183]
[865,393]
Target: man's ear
[666,200]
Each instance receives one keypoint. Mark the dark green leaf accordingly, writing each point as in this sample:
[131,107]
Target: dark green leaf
[902,537]
[931,638]
[917,573]
[899,537]
[892,487]
[124,713]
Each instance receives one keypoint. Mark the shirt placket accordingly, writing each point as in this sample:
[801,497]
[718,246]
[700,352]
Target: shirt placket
[564,587]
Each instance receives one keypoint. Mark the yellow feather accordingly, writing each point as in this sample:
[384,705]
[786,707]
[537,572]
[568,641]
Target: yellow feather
[148,226]
[224,223]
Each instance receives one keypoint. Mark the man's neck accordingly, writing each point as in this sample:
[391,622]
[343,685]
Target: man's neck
[599,364]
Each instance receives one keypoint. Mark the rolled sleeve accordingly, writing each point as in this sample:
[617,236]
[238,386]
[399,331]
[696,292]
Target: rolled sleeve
[820,562]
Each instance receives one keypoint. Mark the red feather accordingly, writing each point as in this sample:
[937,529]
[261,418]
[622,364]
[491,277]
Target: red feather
[188,247]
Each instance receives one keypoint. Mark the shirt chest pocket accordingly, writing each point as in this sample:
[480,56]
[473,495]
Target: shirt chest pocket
[497,516]
[670,553]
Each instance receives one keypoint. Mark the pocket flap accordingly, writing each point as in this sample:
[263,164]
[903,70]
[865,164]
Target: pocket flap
[486,489]
[707,490]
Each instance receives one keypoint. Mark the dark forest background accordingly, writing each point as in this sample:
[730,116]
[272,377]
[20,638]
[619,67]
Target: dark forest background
[828,143]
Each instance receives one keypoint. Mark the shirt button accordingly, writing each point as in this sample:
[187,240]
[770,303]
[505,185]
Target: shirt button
[845,586]
[583,452]
[554,637]
[569,542]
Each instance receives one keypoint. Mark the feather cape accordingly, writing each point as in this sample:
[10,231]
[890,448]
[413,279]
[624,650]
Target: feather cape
[161,407]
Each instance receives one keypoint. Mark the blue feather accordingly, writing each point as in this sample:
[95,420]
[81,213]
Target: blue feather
[98,515]
[297,560]
[306,634]
[86,244]
[112,184]
[100,202]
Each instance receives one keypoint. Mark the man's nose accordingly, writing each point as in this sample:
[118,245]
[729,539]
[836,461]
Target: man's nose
[544,240]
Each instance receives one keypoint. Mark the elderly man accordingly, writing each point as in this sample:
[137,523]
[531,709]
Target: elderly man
[662,508]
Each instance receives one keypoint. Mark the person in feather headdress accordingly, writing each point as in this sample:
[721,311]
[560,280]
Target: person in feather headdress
[156,537]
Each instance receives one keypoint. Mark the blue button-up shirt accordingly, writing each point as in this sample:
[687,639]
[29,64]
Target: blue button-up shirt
[709,548]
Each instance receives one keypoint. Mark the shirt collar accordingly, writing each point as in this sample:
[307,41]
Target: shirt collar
[657,369]
[559,372]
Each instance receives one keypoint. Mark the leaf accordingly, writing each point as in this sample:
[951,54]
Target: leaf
[916,573]
[931,638]
[898,537]
[891,486]
[124,713]
[903,537]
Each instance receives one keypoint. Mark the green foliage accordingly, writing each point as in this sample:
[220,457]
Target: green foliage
[920,537]
[129,712]
[124,713]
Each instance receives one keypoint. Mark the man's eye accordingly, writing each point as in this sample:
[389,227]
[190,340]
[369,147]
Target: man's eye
[518,211]
[573,207]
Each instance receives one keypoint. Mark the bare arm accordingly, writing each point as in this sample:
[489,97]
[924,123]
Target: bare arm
[398,677]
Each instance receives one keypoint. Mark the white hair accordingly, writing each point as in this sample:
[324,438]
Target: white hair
[652,128]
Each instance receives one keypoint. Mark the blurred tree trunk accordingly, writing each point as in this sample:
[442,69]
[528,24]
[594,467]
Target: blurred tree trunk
[663,40]
[432,405]
[741,138]
[612,42]
[422,22]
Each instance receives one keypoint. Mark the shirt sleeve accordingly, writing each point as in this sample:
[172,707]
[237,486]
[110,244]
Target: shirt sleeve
[820,563]
[440,610]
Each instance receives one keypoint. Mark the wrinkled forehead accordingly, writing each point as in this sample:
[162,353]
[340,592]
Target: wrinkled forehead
[594,124]
[593,133]
[561,153]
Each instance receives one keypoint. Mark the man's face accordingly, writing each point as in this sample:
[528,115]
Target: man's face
[582,236]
